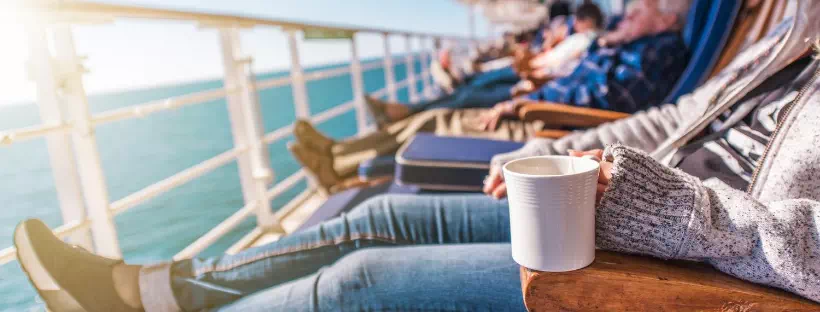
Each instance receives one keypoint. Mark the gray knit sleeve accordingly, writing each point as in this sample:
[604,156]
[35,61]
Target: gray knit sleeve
[655,210]
[644,130]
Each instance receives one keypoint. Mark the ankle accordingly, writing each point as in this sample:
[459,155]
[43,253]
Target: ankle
[126,283]
[397,112]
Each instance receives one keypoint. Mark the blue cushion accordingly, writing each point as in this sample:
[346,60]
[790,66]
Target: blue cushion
[377,167]
[707,29]
[448,163]
[696,19]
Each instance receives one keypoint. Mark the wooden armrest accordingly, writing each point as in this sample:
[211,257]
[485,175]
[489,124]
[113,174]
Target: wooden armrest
[562,115]
[552,133]
[619,282]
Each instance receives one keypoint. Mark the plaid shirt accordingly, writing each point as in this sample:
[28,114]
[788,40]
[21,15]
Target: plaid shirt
[626,78]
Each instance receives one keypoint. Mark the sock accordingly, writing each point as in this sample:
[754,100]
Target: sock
[126,283]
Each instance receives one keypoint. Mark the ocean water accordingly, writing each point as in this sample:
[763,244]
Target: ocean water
[138,152]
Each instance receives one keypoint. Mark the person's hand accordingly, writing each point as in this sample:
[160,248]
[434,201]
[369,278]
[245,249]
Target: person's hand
[522,87]
[494,184]
[489,120]
[521,60]
[605,173]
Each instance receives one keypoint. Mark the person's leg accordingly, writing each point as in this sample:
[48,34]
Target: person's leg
[468,277]
[485,97]
[505,75]
[383,221]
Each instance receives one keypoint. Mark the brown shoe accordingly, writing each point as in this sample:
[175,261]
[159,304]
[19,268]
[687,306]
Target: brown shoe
[377,109]
[68,278]
[308,136]
[318,165]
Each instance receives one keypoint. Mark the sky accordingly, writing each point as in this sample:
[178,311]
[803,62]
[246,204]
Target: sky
[128,53]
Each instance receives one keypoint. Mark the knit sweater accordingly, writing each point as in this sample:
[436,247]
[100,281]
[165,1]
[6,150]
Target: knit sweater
[655,210]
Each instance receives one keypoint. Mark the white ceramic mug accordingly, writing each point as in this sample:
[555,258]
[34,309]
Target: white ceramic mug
[552,211]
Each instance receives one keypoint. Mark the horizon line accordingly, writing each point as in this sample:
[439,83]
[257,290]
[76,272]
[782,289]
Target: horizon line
[144,87]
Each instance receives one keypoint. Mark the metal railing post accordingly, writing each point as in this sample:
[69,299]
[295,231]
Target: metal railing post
[60,152]
[424,55]
[471,14]
[358,86]
[86,151]
[247,127]
[411,71]
[389,76]
[297,77]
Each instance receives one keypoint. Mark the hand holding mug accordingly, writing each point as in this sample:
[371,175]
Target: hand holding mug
[605,173]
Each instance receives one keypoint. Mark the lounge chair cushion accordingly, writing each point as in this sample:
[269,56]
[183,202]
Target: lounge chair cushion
[377,167]
[708,26]
[447,163]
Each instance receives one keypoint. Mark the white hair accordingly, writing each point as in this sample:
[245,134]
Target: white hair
[678,7]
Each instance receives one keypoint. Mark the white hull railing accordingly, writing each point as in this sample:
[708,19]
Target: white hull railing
[69,127]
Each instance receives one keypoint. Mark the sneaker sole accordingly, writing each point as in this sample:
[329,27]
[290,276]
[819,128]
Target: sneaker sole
[56,299]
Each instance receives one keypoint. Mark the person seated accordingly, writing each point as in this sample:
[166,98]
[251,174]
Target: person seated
[457,246]
[561,53]
[452,252]
[630,69]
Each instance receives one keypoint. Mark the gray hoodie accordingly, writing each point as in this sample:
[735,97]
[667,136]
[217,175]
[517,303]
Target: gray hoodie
[768,235]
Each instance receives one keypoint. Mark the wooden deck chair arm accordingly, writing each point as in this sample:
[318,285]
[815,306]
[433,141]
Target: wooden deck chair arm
[561,115]
[552,133]
[620,282]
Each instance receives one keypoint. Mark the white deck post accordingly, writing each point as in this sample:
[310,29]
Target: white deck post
[60,152]
[411,71]
[87,154]
[247,127]
[389,76]
[358,86]
[424,55]
[297,77]
[471,13]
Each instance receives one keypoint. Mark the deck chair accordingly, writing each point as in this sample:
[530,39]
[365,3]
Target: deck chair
[619,282]
[708,27]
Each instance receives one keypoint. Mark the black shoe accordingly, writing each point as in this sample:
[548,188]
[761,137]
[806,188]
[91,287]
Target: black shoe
[67,277]
[307,135]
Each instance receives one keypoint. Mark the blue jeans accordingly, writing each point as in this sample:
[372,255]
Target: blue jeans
[392,253]
[504,75]
[469,97]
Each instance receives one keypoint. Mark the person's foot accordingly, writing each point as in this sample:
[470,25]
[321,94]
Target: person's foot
[384,113]
[307,135]
[319,165]
[67,277]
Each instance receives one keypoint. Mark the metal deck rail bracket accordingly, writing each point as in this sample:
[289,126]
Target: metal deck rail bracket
[389,76]
[60,151]
[247,127]
[87,154]
[297,76]
[424,55]
[411,70]
[358,86]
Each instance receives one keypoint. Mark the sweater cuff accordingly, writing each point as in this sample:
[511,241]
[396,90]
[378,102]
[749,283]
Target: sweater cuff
[648,207]
[533,147]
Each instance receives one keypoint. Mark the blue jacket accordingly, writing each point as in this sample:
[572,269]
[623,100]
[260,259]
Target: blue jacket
[625,78]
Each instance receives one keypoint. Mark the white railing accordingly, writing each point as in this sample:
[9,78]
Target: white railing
[69,127]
